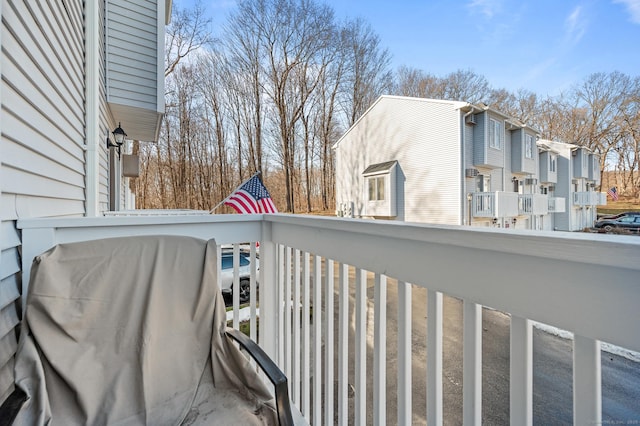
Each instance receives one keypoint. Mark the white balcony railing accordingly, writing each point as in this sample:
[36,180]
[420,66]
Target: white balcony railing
[533,204]
[324,284]
[557,205]
[589,198]
[494,204]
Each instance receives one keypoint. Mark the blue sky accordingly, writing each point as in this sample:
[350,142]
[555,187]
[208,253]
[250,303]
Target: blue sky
[544,46]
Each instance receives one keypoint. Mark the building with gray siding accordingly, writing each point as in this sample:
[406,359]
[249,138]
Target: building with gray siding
[72,71]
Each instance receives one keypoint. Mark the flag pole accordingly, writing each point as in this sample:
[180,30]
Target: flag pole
[233,192]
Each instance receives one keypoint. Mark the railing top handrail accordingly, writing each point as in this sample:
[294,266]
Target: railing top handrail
[604,249]
[87,222]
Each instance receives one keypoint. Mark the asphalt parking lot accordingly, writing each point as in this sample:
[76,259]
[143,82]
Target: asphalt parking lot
[552,370]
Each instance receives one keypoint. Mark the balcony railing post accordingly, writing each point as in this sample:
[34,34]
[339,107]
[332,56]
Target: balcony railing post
[360,403]
[521,372]
[268,294]
[380,351]
[329,341]
[404,354]
[343,346]
[434,358]
[587,381]
[472,364]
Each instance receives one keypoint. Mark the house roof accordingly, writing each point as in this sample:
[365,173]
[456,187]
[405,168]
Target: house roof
[462,106]
[379,168]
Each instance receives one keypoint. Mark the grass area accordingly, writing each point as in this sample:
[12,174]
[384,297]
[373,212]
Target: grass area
[620,206]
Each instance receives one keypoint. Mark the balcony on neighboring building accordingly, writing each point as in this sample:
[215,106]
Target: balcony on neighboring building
[589,199]
[494,204]
[557,205]
[533,204]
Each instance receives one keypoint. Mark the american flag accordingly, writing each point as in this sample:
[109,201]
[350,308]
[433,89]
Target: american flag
[251,197]
[613,192]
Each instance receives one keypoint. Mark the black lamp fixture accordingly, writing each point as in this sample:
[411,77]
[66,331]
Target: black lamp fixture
[119,136]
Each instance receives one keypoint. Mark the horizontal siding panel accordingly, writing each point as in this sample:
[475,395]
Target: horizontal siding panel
[133,54]
[10,236]
[44,101]
[132,99]
[21,182]
[18,132]
[139,8]
[65,41]
[134,85]
[15,206]
[45,53]
[23,158]
[148,73]
[9,289]
[10,262]
[8,347]
[39,206]
[143,33]
[8,319]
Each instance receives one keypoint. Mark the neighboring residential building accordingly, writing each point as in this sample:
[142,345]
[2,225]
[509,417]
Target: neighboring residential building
[445,162]
[576,180]
[72,72]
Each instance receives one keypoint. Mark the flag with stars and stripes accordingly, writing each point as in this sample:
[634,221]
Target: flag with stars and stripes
[251,197]
[613,192]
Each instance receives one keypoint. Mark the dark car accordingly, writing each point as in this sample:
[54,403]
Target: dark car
[619,215]
[629,221]
[244,272]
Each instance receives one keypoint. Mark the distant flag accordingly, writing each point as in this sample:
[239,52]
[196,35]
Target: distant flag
[251,197]
[613,192]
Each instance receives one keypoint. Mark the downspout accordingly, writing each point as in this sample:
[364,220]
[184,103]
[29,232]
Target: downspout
[92,108]
[463,193]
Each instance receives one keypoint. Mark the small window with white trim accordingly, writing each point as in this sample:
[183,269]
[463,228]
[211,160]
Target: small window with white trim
[496,134]
[380,189]
[528,146]
[376,188]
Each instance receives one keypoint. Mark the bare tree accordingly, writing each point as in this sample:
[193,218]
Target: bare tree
[187,32]
[367,73]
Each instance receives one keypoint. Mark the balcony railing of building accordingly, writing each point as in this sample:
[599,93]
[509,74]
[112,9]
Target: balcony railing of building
[533,204]
[323,289]
[589,198]
[557,205]
[494,204]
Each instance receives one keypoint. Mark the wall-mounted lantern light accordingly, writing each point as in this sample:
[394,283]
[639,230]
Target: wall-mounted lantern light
[119,136]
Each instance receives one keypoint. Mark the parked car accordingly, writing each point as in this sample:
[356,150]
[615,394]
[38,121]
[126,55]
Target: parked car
[619,215]
[629,221]
[244,270]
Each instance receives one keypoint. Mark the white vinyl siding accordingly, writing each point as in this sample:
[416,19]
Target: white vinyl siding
[42,171]
[424,137]
[9,299]
[43,108]
[134,71]
[105,128]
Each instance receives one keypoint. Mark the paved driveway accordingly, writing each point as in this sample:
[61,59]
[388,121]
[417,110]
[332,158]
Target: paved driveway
[552,364]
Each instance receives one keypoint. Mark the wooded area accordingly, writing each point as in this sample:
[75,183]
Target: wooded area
[286,79]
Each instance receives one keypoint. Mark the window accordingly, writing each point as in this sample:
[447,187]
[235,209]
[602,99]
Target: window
[483,183]
[552,163]
[496,134]
[376,188]
[528,146]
